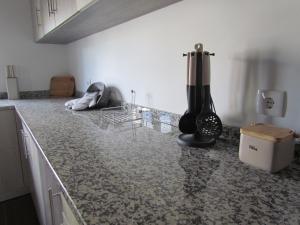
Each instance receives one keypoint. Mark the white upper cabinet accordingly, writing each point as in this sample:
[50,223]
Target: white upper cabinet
[64,9]
[83,3]
[65,21]
[48,15]
[37,19]
[52,13]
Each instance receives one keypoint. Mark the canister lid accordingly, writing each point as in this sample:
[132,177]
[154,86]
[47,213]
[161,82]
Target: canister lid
[268,132]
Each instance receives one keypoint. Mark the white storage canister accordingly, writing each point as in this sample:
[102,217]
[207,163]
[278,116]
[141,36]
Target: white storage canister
[266,146]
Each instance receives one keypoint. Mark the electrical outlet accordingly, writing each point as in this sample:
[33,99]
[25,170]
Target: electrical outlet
[271,103]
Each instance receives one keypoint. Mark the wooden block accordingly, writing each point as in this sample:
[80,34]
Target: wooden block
[12,88]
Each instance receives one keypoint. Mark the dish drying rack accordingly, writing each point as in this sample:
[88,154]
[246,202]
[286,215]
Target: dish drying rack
[122,114]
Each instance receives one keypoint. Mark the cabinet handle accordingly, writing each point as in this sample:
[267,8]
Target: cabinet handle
[55,5]
[38,17]
[24,136]
[25,149]
[49,7]
[51,196]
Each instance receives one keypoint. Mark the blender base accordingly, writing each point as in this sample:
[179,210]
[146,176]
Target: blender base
[194,140]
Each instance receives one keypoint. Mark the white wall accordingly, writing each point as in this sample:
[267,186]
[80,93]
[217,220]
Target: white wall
[35,63]
[256,44]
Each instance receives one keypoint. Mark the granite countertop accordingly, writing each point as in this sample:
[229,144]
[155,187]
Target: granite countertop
[139,175]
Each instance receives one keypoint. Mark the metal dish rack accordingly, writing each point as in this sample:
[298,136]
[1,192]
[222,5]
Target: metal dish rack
[121,114]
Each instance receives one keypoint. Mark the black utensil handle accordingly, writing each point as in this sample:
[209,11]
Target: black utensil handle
[206,104]
[191,94]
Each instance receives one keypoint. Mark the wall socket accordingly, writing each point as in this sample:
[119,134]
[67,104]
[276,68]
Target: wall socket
[271,103]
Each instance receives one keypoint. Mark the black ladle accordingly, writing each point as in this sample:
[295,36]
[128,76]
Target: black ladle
[208,122]
[187,123]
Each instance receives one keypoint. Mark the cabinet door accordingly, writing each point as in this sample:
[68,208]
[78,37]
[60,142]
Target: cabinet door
[45,188]
[68,216]
[83,3]
[48,15]
[52,193]
[64,9]
[11,177]
[37,19]
[23,152]
[36,174]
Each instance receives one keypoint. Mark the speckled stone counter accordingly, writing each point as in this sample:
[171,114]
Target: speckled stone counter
[137,174]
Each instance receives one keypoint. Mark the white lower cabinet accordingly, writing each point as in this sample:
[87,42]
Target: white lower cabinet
[52,196]
[35,169]
[24,169]
[12,182]
[68,216]
[45,188]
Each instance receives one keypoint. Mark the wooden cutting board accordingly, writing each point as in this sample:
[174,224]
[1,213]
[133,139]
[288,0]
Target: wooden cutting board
[62,86]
